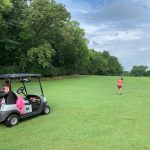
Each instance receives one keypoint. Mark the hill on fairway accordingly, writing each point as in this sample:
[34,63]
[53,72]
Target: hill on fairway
[87,114]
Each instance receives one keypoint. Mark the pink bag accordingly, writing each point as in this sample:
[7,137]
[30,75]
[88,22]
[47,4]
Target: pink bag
[20,104]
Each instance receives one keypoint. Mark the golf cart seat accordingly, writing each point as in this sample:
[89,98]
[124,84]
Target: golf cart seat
[11,98]
[35,101]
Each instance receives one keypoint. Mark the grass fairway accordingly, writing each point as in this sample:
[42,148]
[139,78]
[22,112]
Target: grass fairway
[87,114]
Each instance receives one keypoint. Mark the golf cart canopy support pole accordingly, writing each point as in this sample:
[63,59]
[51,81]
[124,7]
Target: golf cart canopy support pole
[10,84]
[40,86]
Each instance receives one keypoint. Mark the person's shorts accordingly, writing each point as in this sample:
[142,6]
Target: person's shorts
[119,86]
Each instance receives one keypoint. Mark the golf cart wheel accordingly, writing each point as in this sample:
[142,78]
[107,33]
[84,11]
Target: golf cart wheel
[46,110]
[12,120]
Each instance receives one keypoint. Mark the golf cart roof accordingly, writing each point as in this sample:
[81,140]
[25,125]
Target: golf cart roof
[18,75]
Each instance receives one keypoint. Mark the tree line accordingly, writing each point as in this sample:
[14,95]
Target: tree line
[39,36]
[139,71]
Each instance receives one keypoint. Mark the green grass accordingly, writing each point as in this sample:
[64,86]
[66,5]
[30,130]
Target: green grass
[87,114]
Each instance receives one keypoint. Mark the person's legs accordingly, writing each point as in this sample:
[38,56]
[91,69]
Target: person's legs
[120,91]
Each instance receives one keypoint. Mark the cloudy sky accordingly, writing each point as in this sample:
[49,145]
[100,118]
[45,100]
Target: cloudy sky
[121,27]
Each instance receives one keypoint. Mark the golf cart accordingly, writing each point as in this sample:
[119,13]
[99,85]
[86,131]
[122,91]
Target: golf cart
[21,101]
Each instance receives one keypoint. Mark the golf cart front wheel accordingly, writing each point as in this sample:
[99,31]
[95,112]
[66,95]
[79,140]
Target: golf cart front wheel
[46,110]
[12,120]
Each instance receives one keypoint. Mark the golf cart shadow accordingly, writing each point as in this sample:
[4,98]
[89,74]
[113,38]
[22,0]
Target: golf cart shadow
[3,125]
[30,118]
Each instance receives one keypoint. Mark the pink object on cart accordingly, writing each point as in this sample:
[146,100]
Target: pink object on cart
[20,104]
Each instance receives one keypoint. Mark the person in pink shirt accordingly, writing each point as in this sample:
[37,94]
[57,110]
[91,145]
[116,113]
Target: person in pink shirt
[119,85]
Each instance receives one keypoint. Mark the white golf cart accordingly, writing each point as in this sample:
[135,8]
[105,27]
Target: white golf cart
[33,103]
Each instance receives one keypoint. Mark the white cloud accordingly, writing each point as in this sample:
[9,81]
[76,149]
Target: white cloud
[120,26]
[82,11]
[102,36]
[143,49]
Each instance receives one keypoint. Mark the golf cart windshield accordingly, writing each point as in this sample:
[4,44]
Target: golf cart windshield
[31,86]
[23,84]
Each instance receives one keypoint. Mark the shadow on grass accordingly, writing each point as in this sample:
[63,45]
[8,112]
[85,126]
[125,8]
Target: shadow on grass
[2,124]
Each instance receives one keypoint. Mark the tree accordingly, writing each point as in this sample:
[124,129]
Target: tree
[97,63]
[72,50]
[139,70]
[41,56]
[9,40]
[45,19]
[114,66]
[103,64]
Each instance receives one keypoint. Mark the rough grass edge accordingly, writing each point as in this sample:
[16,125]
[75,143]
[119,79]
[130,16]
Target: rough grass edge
[61,77]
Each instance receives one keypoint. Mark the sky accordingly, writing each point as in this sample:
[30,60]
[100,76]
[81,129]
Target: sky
[121,27]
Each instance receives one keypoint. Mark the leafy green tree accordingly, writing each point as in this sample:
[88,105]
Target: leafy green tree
[9,40]
[104,64]
[5,7]
[147,73]
[40,57]
[97,63]
[139,70]
[44,20]
[72,51]
[115,68]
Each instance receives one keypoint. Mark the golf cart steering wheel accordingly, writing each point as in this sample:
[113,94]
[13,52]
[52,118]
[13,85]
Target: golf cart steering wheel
[20,90]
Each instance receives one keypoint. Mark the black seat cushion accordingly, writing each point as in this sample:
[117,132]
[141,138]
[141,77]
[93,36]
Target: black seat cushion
[11,98]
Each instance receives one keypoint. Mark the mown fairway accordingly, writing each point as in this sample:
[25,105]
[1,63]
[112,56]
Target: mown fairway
[87,114]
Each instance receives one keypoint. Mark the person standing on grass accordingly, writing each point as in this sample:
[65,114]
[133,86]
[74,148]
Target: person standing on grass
[119,85]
